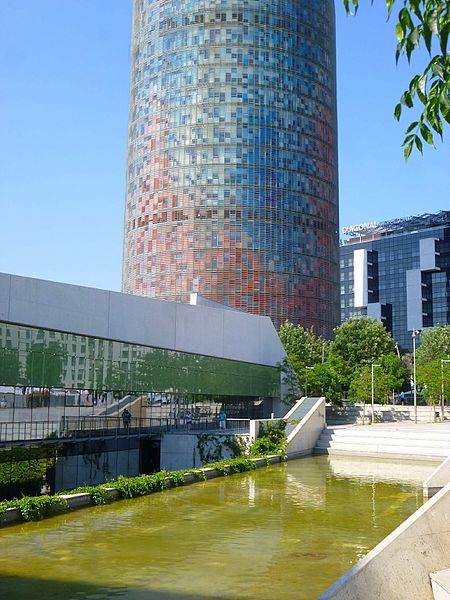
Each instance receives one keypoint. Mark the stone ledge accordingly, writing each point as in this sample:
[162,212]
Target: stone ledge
[83,499]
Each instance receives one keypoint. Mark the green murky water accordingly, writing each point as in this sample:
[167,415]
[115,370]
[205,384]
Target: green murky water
[282,532]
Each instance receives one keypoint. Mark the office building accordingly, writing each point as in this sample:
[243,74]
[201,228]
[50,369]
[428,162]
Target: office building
[72,359]
[232,157]
[67,337]
[398,272]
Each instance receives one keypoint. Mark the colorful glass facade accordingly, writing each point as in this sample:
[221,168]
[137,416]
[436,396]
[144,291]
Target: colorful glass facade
[232,161]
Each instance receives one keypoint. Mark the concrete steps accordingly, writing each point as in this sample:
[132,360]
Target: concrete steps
[359,414]
[378,440]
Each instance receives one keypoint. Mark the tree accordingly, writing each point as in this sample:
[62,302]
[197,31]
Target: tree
[430,380]
[358,343]
[323,380]
[304,349]
[435,345]
[361,386]
[303,346]
[427,22]
[393,367]
[389,375]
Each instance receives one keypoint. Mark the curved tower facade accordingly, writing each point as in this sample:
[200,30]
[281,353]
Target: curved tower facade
[232,157]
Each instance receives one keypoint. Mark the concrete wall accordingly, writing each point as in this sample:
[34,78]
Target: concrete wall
[303,438]
[186,450]
[400,565]
[438,479]
[111,315]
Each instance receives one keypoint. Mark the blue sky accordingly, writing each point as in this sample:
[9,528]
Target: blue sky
[64,68]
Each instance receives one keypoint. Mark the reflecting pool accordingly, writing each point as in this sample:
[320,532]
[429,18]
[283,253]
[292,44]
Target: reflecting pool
[282,532]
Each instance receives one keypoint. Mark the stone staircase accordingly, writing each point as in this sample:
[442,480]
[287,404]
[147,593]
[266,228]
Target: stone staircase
[361,414]
[386,439]
[344,415]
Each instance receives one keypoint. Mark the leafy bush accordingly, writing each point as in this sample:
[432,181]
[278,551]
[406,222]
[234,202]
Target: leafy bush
[35,508]
[271,439]
[234,465]
[99,495]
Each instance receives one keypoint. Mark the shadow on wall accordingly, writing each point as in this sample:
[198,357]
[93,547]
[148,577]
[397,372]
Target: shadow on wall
[27,588]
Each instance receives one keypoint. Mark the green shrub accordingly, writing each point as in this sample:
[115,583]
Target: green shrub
[271,439]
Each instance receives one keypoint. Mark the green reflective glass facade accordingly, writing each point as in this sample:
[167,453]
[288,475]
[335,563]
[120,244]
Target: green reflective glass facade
[45,358]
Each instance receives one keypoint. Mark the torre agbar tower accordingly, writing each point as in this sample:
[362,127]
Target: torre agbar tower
[232,157]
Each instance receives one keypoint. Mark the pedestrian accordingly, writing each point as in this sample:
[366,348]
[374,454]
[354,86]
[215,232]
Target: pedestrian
[222,419]
[126,418]
[188,420]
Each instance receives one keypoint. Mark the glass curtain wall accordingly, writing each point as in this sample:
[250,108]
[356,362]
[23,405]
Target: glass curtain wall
[55,384]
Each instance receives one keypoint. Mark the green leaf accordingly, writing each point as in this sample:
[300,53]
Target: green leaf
[399,32]
[390,4]
[407,150]
[446,115]
[415,7]
[398,111]
[432,21]
[437,70]
[426,134]
[409,48]
[422,89]
[444,99]
[406,99]
[426,34]
[412,126]
[415,36]
[413,83]
[419,144]
[444,38]
[405,19]
[408,138]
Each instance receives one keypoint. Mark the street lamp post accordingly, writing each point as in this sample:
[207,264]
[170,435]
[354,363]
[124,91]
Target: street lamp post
[415,334]
[373,393]
[443,360]
[306,381]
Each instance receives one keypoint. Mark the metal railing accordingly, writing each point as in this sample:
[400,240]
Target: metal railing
[82,427]
[29,430]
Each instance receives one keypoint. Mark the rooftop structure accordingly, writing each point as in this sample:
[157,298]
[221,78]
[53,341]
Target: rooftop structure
[398,272]
[363,231]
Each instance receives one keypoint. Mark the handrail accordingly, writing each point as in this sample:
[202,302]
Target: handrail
[80,427]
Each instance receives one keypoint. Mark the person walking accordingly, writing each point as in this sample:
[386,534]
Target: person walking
[222,419]
[188,420]
[126,418]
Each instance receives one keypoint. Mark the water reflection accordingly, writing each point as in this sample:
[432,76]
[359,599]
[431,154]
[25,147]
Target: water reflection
[381,469]
[282,532]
